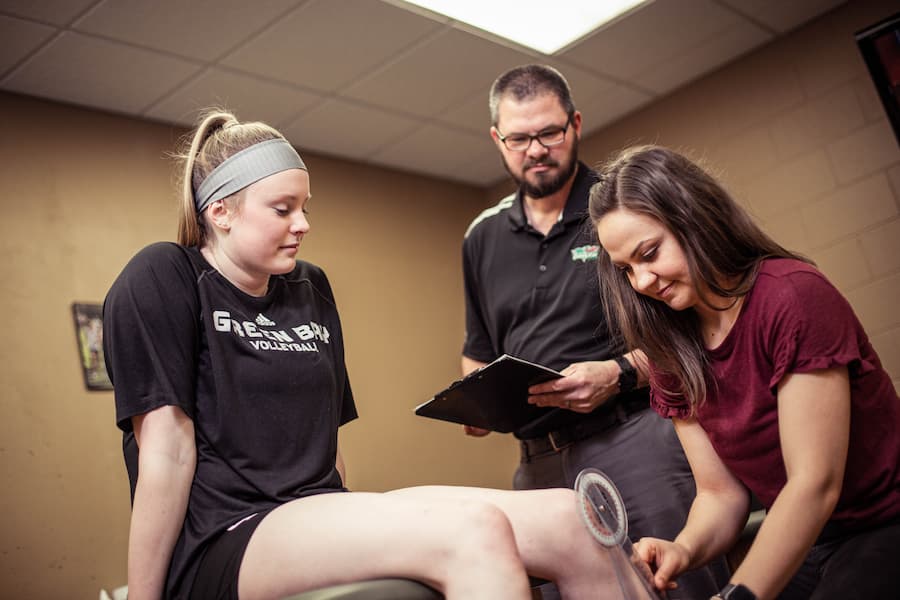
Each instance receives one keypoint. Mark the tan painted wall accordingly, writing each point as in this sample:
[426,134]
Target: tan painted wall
[794,129]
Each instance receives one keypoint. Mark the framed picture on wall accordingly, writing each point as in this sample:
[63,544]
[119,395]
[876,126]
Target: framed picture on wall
[880,48]
[89,334]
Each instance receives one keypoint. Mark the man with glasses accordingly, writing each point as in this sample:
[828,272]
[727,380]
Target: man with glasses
[529,266]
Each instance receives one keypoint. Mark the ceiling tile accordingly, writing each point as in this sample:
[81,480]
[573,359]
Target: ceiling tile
[365,79]
[609,106]
[347,129]
[325,45]
[20,38]
[249,97]
[650,34]
[599,99]
[446,63]
[437,150]
[199,29]
[721,48]
[783,16]
[84,70]
[583,83]
[56,12]
[472,114]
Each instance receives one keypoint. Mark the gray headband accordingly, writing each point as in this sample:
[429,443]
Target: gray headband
[246,167]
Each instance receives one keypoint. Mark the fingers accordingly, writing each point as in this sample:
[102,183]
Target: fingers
[553,386]
[664,558]
[559,393]
[570,400]
[644,548]
[662,578]
[555,400]
[475,431]
[583,387]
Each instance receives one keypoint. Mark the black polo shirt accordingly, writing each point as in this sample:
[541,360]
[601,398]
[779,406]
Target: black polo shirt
[535,296]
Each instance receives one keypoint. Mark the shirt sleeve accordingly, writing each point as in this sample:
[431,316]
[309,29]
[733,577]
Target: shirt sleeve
[812,327]
[348,404]
[477,345]
[151,333]
[666,404]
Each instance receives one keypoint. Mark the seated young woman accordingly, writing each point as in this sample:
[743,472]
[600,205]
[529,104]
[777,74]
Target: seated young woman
[227,359]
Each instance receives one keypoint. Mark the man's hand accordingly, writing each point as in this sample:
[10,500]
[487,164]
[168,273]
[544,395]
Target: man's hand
[583,387]
[475,431]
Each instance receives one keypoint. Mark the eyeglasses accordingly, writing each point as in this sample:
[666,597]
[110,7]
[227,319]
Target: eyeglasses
[517,142]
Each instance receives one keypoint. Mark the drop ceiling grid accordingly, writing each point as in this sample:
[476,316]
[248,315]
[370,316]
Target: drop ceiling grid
[368,80]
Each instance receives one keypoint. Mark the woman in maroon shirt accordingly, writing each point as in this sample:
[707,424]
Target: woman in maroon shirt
[769,378]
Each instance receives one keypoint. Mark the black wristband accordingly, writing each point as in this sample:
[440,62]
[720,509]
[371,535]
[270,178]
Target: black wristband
[628,377]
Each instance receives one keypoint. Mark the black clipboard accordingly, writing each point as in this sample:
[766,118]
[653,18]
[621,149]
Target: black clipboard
[493,397]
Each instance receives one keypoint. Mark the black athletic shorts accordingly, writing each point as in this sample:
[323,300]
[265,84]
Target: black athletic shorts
[217,575]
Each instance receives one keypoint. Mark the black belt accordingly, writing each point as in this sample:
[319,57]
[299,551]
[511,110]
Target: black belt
[615,413]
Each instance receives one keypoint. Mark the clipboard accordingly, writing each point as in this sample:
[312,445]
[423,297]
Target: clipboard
[493,397]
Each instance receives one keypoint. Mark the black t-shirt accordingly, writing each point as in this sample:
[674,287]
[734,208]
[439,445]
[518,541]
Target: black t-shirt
[263,379]
[535,296]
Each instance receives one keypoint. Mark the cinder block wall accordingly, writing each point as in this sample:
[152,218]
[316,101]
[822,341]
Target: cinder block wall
[798,134]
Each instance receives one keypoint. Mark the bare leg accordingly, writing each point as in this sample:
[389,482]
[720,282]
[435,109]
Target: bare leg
[466,542]
[460,544]
[552,540]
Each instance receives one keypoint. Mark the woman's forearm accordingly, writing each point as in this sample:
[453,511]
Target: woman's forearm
[714,523]
[160,504]
[167,460]
[814,426]
[719,511]
[788,532]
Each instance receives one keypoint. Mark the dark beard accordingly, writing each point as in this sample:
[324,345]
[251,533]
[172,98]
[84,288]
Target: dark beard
[546,187]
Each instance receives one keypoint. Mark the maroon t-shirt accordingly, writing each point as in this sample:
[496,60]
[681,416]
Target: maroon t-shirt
[795,321]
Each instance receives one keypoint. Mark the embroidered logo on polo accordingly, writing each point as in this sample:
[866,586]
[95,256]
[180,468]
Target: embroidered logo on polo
[585,253]
[300,338]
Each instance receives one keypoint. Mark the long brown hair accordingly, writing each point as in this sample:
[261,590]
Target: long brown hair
[723,246]
[218,136]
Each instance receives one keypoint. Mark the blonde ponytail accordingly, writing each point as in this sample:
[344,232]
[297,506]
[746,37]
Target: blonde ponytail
[218,136]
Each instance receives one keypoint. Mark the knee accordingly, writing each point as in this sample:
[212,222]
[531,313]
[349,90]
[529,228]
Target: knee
[560,508]
[555,517]
[481,532]
[484,523]
[562,513]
